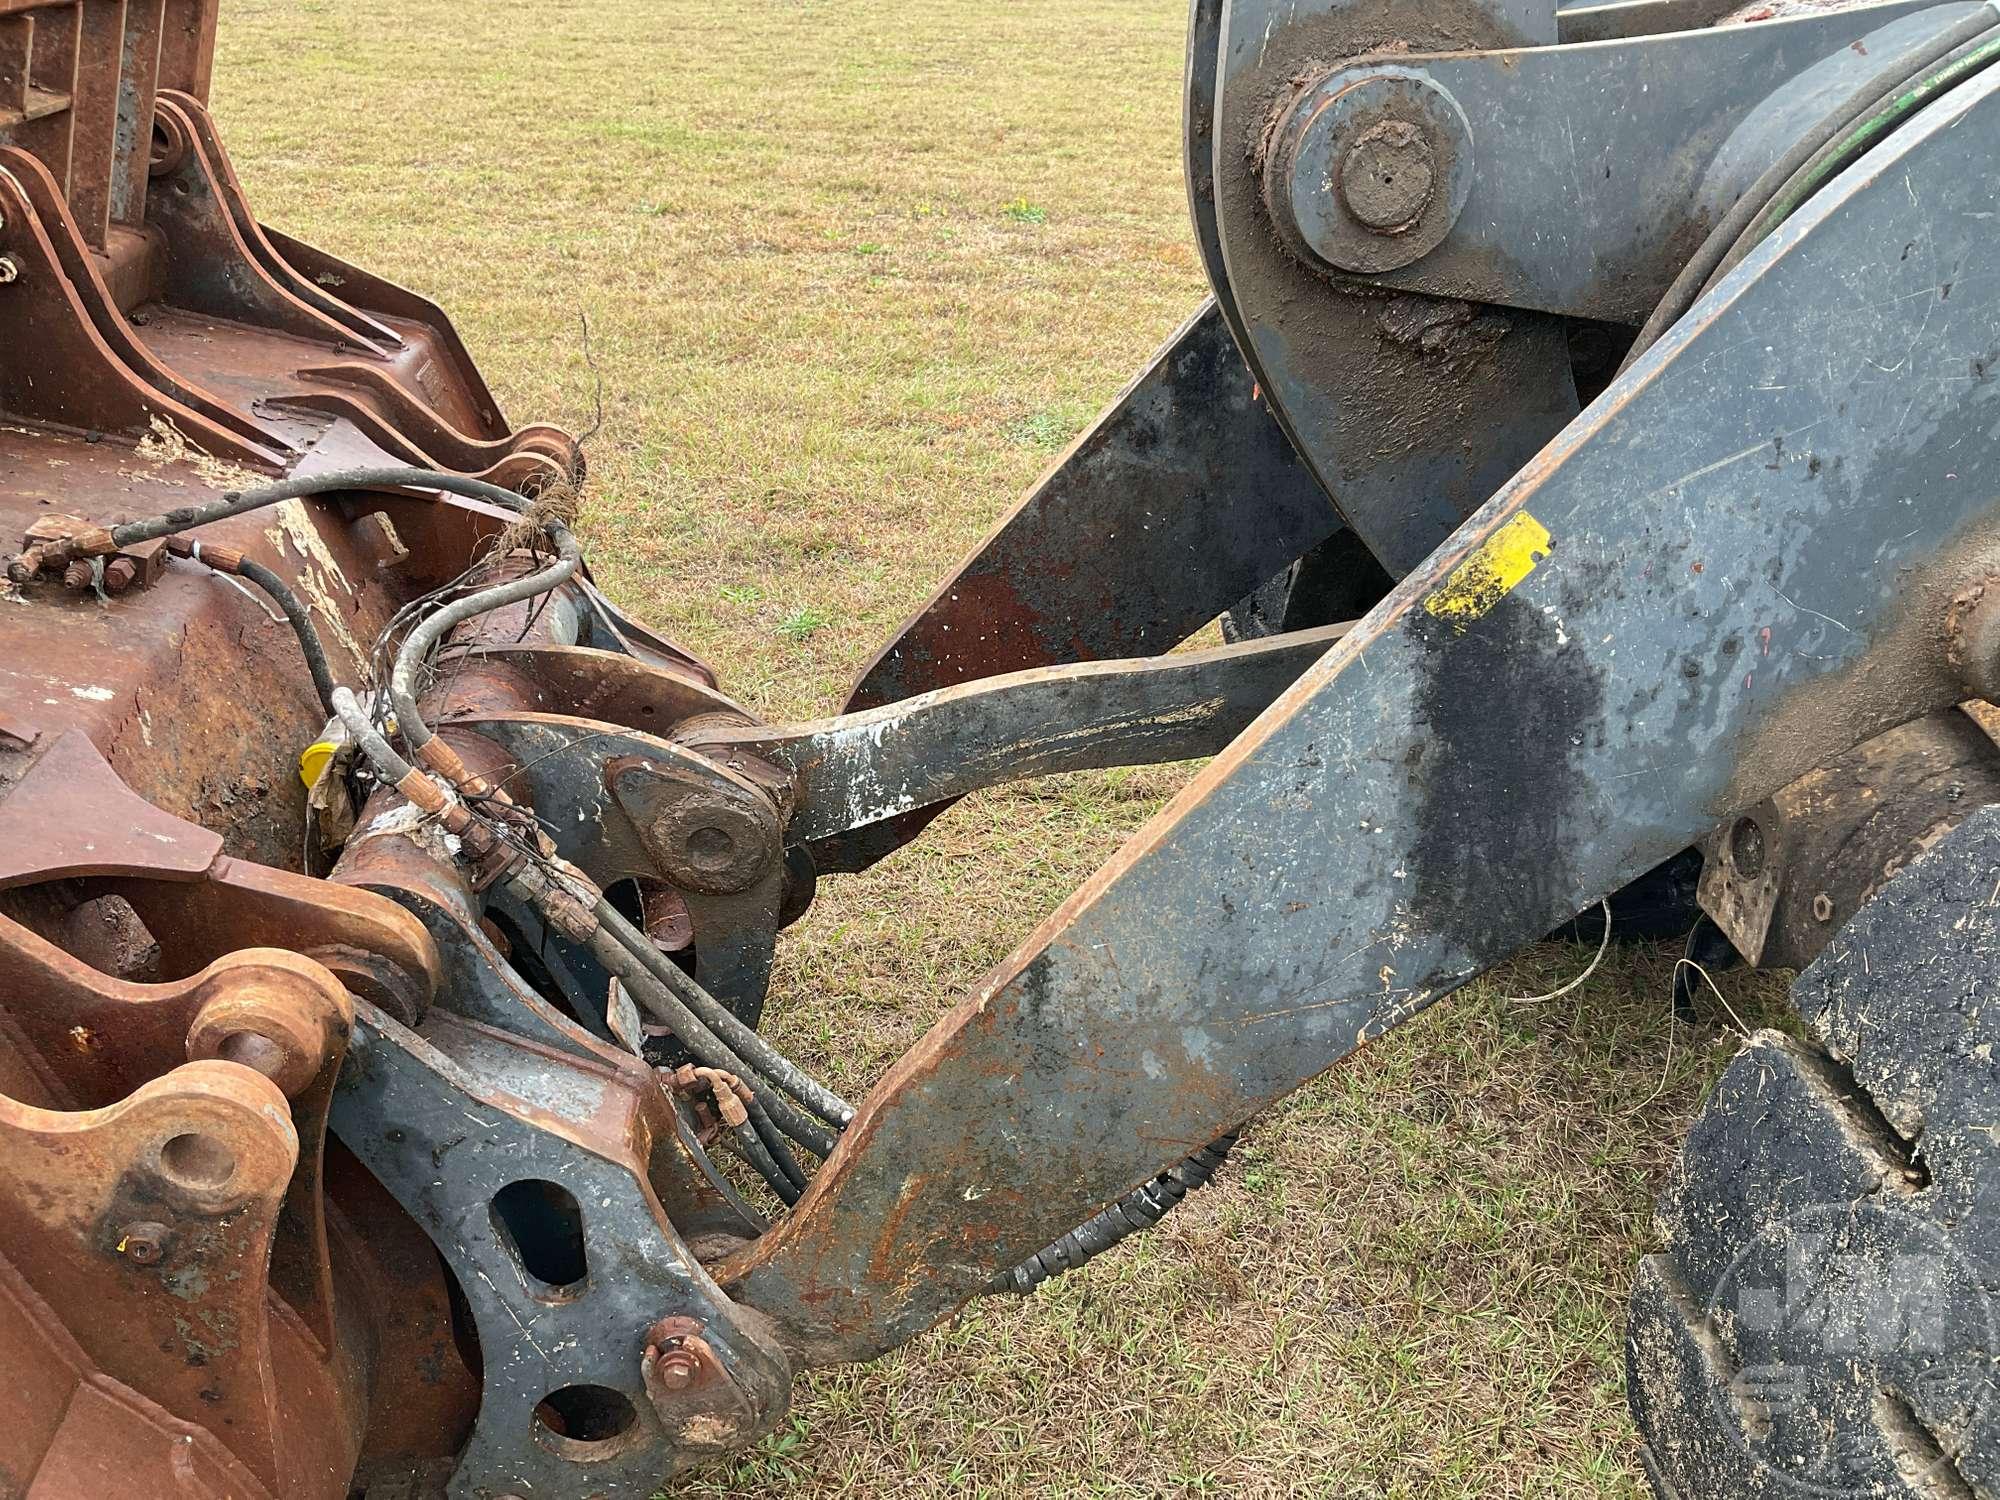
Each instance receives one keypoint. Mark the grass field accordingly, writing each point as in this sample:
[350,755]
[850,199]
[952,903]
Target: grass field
[854,271]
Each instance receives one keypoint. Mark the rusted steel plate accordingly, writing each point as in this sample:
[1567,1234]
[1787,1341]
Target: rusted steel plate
[139,673]
[424,1397]
[1734,566]
[183,112]
[590,684]
[1181,498]
[209,265]
[85,278]
[59,368]
[246,904]
[202,1157]
[73,1434]
[71,815]
[416,321]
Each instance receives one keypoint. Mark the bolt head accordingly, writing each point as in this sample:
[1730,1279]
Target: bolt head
[710,847]
[1368,168]
[1388,176]
[713,846]
[10,269]
[675,1352]
[143,1243]
[676,1369]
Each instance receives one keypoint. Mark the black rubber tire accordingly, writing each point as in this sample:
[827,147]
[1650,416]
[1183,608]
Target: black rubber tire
[1824,1316]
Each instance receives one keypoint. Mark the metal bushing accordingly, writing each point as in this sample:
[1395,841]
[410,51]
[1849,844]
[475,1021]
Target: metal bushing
[273,1011]
[705,830]
[1368,169]
[264,1029]
[371,977]
[169,146]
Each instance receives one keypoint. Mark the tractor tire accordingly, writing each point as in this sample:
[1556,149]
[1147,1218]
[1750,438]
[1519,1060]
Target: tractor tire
[1824,1316]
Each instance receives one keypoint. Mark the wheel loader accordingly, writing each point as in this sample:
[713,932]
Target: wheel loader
[1591,445]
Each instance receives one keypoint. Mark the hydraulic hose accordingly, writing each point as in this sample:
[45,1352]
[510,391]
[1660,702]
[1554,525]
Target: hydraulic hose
[693,1015]
[632,969]
[375,747]
[1139,1209]
[774,1141]
[603,942]
[760,1054]
[235,564]
[435,627]
[756,1139]
[758,1154]
[241,502]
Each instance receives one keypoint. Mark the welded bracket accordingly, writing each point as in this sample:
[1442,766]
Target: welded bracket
[530,1171]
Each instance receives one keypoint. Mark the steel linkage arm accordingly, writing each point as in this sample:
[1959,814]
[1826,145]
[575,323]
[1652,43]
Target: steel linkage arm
[1763,544]
[862,768]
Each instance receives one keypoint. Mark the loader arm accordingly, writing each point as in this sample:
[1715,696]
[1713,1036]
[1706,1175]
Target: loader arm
[1739,561]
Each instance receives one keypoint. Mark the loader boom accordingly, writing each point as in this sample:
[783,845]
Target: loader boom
[1657,623]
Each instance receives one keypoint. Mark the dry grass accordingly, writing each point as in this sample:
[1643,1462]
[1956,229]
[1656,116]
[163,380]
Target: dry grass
[855,269]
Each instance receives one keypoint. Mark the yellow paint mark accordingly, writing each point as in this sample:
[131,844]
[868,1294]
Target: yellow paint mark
[1493,571]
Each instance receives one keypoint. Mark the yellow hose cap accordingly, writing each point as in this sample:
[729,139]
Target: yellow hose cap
[314,760]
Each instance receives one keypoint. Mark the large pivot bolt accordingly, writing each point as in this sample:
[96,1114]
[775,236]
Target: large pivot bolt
[1388,175]
[707,831]
[1368,169]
